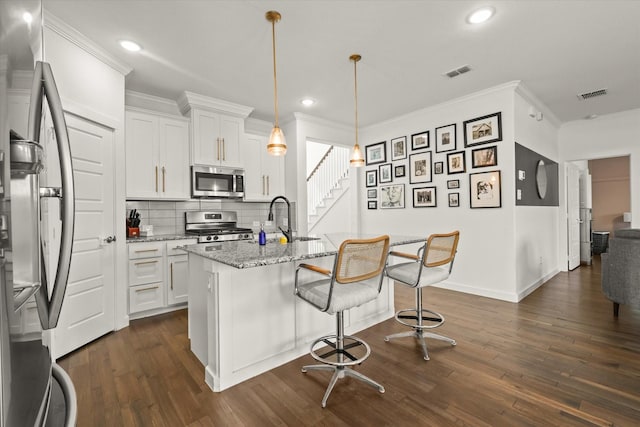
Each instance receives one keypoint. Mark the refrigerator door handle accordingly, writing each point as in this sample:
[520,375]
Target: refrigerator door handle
[67,203]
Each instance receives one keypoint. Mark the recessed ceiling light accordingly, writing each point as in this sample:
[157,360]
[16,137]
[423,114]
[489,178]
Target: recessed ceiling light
[307,102]
[481,15]
[130,46]
[27,17]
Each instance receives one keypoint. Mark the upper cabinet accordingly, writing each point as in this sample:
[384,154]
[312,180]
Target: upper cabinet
[217,129]
[157,159]
[264,174]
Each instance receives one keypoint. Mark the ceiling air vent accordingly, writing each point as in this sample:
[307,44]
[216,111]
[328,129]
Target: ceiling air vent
[593,94]
[457,71]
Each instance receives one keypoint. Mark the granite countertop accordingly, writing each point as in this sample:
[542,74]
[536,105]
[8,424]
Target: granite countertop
[159,238]
[248,253]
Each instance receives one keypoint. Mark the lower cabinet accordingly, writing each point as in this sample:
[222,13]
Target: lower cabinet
[157,277]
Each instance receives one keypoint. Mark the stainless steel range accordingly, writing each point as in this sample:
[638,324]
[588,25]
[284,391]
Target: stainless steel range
[216,226]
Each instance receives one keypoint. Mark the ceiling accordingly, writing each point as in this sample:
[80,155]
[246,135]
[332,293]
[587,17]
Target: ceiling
[222,49]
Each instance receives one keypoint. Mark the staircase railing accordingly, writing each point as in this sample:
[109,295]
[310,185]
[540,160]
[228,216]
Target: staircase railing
[326,176]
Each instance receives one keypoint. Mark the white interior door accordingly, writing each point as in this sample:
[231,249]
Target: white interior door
[88,308]
[573,215]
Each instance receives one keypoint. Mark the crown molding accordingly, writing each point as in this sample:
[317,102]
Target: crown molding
[189,100]
[74,36]
[257,126]
[322,122]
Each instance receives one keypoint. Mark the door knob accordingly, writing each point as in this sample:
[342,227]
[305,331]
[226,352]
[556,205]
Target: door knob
[110,239]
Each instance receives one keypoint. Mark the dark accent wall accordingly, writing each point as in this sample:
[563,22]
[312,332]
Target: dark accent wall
[527,161]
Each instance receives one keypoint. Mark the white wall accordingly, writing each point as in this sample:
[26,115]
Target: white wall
[610,135]
[486,260]
[536,227]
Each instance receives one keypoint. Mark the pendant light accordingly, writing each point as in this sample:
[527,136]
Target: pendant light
[277,145]
[357,160]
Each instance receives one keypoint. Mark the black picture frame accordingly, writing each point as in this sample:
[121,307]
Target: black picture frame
[371,178]
[425,197]
[384,174]
[420,141]
[376,153]
[454,200]
[453,184]
[483,130]
[456,163]
[485,190]
[372,204]
[446,138]
[420,167]
[399,148]
[484,157]
[438,168]
[372,193]
[392,196]
[399,171]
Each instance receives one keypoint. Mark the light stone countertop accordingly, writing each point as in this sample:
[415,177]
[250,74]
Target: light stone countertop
[248,254]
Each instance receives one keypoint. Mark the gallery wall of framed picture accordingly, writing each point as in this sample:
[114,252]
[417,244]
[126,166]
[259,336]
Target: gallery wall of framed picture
[461,159]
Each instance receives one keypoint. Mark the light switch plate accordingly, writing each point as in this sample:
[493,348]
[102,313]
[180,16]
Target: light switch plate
[521,175]
[256,223]
[519,194]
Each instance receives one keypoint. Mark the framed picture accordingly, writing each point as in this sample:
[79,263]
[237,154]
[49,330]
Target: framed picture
[424,197]
[399,171]
[399,148]
[376,153]
[420,167]
[372,193]
[392,196]
[456,163]
[420,141]
[385,173]
[453,183]
[454,200]
[372,204]
[438,168]
[483,130]
[372,178]
[483,157]
[484,190]
[446,138]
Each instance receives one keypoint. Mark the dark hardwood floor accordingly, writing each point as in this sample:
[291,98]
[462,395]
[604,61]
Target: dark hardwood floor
[558,358]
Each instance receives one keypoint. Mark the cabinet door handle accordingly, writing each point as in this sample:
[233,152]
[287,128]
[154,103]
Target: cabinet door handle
[139,251]
[263,186]
[146,262]
[224,151]
[218,145]
[268,186]
[164,173]
[147,289]
[171,274]
[156,179]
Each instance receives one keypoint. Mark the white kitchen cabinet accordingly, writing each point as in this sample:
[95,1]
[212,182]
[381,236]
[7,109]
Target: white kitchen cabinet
[157,277]
[157,149]
[216,139]
[177,272]
[264,173]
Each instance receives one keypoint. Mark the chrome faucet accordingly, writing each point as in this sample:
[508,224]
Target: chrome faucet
[287,233]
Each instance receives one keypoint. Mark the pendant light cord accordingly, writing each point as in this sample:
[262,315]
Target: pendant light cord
[355,79]
[275,80]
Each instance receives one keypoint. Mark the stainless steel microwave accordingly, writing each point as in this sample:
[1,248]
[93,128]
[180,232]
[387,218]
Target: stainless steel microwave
[217,182]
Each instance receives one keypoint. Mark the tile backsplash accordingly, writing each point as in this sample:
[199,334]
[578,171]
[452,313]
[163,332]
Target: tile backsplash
[168,217]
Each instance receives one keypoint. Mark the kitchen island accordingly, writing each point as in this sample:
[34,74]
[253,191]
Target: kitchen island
[244,318]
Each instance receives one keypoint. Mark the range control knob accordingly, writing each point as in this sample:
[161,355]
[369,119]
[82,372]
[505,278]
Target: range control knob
[208,237]
[215,237]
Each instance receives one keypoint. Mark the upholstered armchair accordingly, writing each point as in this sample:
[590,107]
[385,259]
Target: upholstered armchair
[621,269]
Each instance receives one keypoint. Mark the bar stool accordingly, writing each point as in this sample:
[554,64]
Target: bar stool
[432,264]
[356,279]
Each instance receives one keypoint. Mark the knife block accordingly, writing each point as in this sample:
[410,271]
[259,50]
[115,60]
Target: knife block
[133,231]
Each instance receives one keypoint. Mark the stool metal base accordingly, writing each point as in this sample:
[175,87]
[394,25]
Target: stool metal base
[340,372]
[420,336]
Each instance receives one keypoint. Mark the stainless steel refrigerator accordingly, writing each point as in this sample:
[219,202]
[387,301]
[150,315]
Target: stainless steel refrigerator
[35,390]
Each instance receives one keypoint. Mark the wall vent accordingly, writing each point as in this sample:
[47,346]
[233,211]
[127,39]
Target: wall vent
[457,71]
[593,94]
